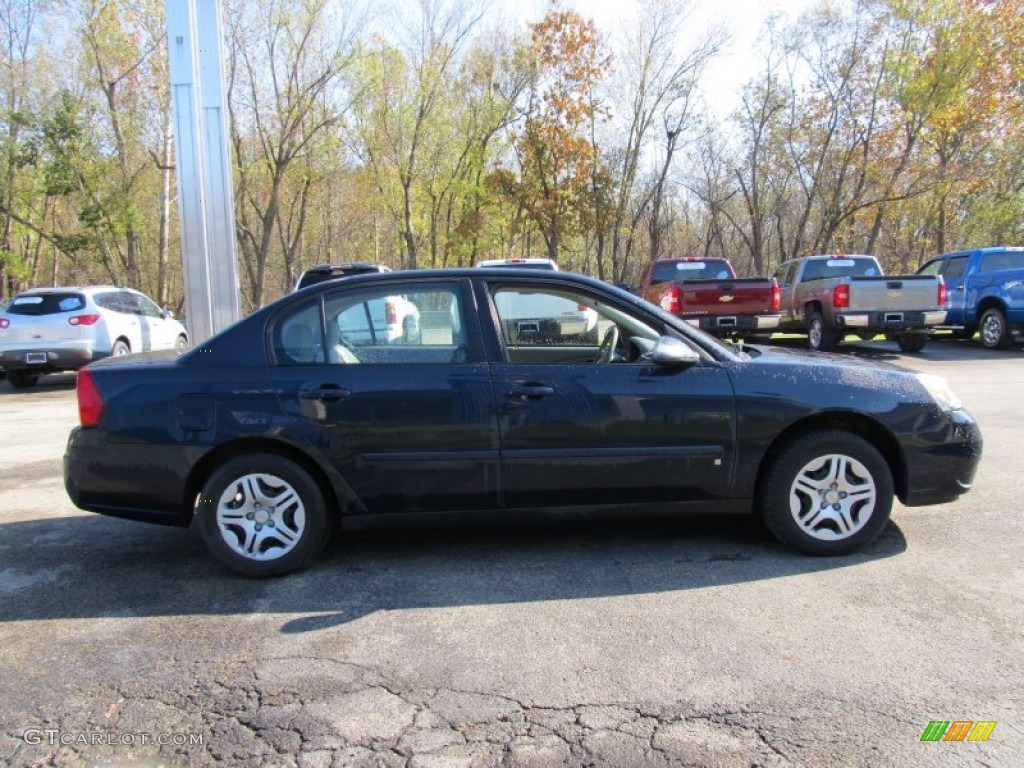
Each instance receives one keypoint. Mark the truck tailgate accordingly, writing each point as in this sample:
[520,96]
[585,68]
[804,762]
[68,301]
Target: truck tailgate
[902,293]
[716,298]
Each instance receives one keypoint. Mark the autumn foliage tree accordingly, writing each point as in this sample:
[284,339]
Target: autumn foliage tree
[561,176]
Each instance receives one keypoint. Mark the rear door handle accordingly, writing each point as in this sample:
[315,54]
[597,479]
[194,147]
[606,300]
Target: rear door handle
[531,390]
[326,392]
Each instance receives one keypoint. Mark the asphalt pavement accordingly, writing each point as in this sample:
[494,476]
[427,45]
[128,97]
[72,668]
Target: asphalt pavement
[668,643]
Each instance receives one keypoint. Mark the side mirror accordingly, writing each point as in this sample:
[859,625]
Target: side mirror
[673,353]
[167,314]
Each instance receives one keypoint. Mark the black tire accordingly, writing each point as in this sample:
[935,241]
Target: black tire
[912,342]
[120,348]
[820,338]
[994,331]
[296,529]
[22,379]
[181,344]
[842,471]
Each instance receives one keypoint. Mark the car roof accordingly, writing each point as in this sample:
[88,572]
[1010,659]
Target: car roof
[78,288]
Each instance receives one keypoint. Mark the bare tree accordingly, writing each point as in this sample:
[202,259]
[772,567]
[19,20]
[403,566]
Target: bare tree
[285,63]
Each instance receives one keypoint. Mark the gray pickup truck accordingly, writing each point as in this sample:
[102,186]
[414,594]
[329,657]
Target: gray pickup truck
[830,297]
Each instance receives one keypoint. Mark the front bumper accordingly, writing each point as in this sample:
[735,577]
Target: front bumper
[942,466]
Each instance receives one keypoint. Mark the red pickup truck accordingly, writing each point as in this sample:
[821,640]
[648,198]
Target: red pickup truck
[707,293]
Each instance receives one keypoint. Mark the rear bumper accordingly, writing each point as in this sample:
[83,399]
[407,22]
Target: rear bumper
[894,320]
[50,356]
[102,476]
[733,323]
[943,467]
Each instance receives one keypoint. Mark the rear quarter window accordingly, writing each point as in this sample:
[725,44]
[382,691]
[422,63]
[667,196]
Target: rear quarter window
[46,304]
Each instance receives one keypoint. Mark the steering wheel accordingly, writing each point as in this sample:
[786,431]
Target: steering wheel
[606,352]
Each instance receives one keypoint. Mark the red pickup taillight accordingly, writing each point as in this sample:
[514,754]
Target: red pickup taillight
[671,300]
[83,319]
[390,313]
[841,297]
[943,296]
[776,296]
[90,403]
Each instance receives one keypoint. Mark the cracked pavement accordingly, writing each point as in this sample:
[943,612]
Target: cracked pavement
[664,643]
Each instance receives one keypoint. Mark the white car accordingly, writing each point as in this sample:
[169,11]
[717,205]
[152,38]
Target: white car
[46,330]
[528,263]
[381,320]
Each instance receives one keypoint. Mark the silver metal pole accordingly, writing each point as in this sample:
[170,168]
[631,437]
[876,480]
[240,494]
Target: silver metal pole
[202,151]
[217,178]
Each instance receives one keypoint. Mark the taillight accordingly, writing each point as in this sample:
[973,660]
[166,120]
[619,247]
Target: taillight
[776,296]
[390,314]
[841,296]
[670,300]
[83,319]
[943,296]
[4,322]
[90,402]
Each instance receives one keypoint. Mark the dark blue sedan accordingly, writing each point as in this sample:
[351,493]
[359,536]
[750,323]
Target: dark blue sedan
[523,393]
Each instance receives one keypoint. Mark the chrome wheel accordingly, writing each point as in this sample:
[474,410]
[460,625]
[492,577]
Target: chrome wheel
[832,497]
[261,517]
[814,333]
[993,330]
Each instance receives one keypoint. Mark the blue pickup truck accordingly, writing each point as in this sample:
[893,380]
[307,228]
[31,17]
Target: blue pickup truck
[985,293]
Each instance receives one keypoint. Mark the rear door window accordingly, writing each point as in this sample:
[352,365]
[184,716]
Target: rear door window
[46,304]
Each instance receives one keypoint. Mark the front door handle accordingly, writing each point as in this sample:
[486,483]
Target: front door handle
[326,392]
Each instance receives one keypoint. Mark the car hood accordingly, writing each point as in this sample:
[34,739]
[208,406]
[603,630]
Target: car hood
[771,354]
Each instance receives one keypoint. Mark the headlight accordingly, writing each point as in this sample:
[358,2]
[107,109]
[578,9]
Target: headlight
[940,390]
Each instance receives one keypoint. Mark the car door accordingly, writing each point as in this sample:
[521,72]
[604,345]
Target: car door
[785,277]
[411,427]
[158,331]
[952,270]
[577,431]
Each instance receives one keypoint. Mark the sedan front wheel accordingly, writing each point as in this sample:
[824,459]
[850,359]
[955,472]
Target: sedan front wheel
[827,493]
[262,515]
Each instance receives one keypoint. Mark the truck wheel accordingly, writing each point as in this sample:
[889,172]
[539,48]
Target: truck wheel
[994,332]
[820,338]
[828,492]
[262,515]
[22,379]
[912,342]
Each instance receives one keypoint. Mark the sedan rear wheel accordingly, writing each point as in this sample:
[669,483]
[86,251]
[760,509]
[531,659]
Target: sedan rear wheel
[827,493]
[262,515]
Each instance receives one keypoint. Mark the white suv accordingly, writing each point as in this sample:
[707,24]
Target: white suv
[46,330]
